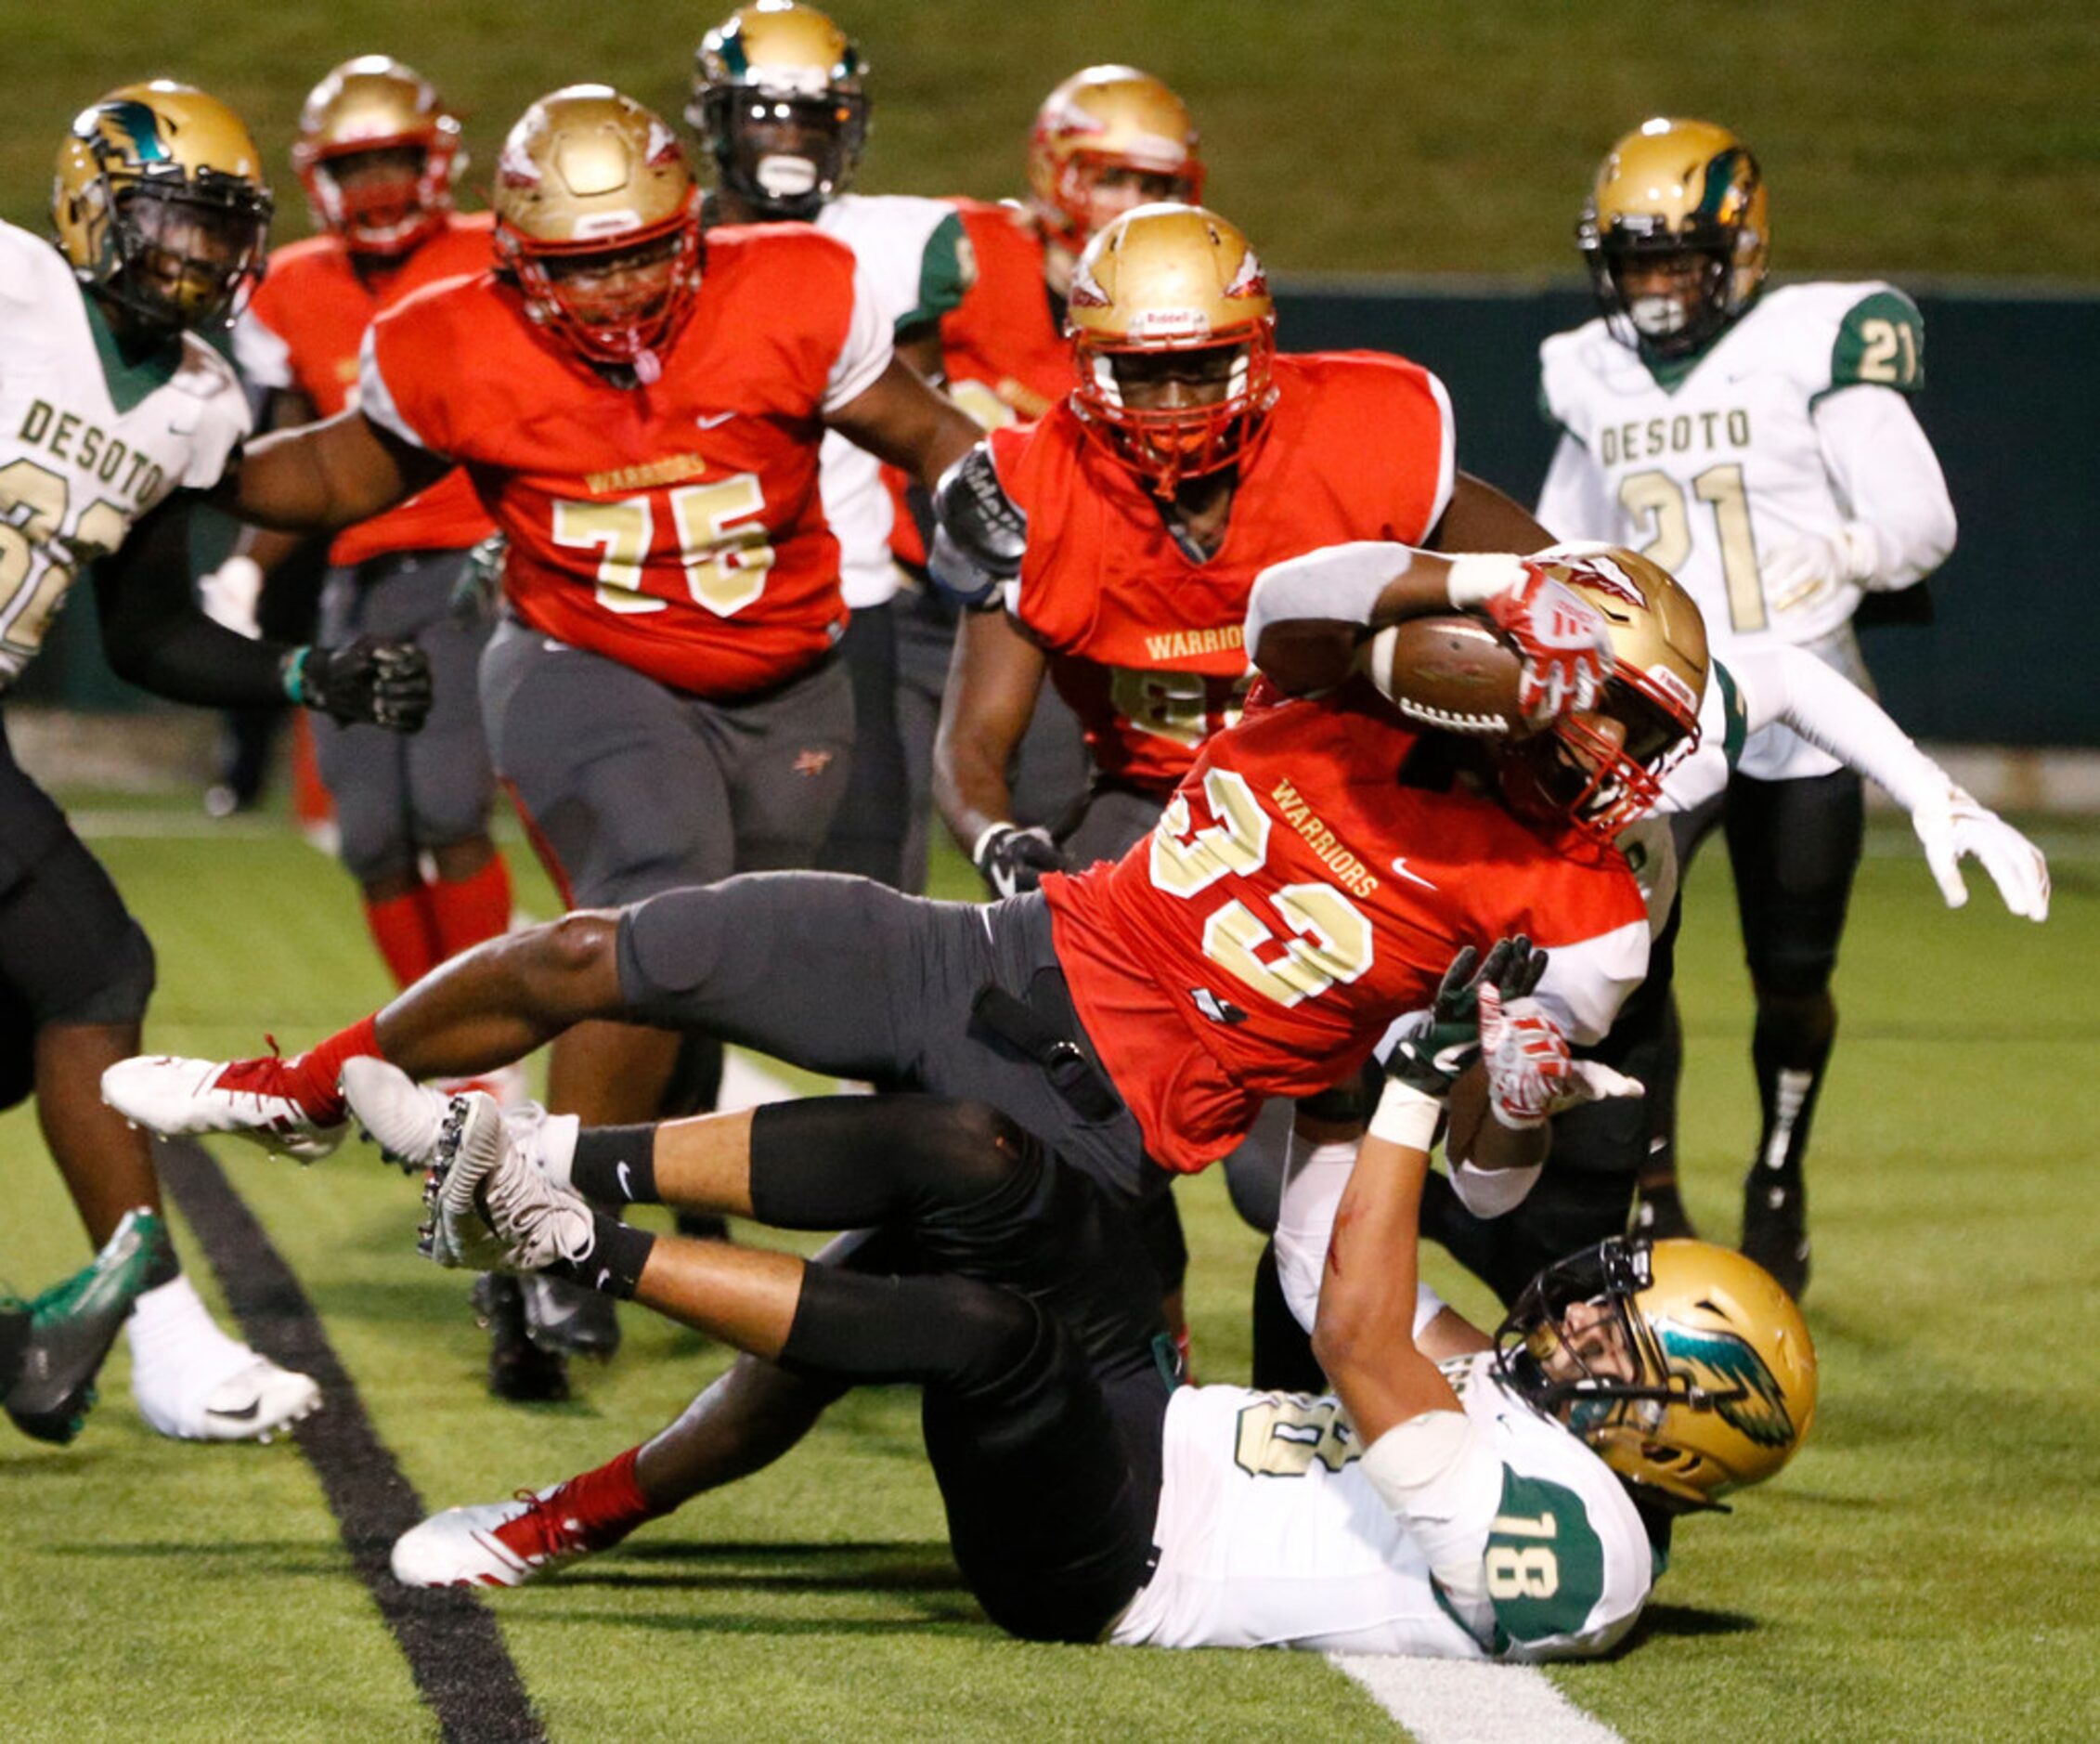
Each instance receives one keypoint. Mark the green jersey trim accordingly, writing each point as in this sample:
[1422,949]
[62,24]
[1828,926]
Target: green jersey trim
[1545,1562]
[129,383]
[1880,343]
[947,270]
[1735,715]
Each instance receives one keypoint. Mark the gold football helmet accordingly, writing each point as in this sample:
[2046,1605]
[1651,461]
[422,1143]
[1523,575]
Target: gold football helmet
[378,156]
[1174,331]
[778,95]
[1105,140]
[1603,769]
[1683,1364]
[161,206]
[1682,194]
[596,218]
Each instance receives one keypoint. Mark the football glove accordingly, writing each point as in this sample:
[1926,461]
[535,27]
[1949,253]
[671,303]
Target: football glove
[1807,572]
[1012,859]
[1564,640]
[1958,825]
[980,532]
[1531,1074]
[369,682]
[1432,1060]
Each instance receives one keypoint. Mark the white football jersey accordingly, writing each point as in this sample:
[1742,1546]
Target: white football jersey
[1709,465]
[1270,1536]
[88,443]
[913,257]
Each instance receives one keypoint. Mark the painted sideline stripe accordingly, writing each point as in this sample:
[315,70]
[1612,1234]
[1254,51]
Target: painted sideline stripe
[455,1651]
[1466,1701]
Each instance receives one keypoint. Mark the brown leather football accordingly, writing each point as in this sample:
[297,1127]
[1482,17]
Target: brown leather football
[1451,672]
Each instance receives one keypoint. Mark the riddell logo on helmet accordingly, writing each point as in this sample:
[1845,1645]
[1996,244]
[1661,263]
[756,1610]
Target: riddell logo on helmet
[1169,324]
[1664,680]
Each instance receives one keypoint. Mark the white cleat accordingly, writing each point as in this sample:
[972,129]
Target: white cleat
[253,1403]
[499,1543]
[488,1201]
[404,1118]
[252,1098]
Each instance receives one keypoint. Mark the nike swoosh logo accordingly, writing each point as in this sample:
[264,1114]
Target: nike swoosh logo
[713,420]
[626,1187]
[247,1413]
[1400,867]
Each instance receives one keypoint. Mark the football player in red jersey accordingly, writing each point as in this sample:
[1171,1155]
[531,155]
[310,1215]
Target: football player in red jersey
[1134,1018]
[377,155]
[640,413]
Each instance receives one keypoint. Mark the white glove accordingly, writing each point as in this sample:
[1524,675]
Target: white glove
[1531,1074]
[1955,826]
[1808,573]
[230,595]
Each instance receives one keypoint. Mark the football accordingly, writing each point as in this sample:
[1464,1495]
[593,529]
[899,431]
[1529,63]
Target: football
[1451,672]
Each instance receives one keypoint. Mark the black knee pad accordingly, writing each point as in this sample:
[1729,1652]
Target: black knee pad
[1793,969]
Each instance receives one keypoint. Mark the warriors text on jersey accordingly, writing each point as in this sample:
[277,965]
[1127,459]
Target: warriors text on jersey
[302,331]
[673,526]
[915,262]
[89,441]
[1144,636]
[1270,1535]
[1295,898]
[1788,426]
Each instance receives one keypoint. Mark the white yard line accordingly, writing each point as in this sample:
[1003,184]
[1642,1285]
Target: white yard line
[1462,1702]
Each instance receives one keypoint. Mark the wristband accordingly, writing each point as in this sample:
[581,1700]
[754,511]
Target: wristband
[1406,1116]
[1477,576]
[990,834]
[294,678]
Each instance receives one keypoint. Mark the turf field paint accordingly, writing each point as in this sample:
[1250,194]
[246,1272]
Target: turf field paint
[1460,1701]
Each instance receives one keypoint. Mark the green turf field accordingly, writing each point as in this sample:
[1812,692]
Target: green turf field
[1909,137]
[1927,1569]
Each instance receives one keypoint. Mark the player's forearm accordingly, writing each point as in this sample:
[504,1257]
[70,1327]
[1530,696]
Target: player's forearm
[500,1001]
[1884,467]
[969,781]
[317,479]
[1307,616]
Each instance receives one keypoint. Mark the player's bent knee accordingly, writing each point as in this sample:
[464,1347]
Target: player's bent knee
[123,984]
[1792,976]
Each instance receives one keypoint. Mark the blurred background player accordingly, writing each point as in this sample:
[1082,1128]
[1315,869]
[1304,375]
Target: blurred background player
[1187,458]
[640,412]
[114,410]
[1107,139]
[378,156]
[1761,447]
[780,101]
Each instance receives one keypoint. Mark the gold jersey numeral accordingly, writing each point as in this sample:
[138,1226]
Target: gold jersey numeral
[32,511]
[1284,1434]
[725,565]
[1657,501]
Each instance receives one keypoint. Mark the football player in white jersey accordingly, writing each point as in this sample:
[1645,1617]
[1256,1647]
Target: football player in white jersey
[113,412]
[1760,446]
[780,99]
[1463,1497]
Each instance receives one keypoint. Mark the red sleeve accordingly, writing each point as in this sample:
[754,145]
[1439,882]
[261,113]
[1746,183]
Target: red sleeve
[1406,433]
[410,380]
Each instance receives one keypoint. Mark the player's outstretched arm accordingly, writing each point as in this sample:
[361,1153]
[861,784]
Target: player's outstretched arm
[326,476]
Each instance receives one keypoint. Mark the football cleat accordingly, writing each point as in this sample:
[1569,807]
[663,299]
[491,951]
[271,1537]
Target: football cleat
[256,1099]
[251,1403]
[404,1118]
[568,1320]
[499,1543]
[488,1206]
[1775,1226]
[519,1370]
[70,1328]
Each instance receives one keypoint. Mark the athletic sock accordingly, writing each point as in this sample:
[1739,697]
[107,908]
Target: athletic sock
[314,1073]
[612,1263]
[606,1502]
[615,1166]
[467,911]
[404,929]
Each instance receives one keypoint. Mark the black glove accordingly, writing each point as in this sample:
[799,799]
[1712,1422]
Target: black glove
[1013,859]
[980,531]
[1432,1060]
[368,681]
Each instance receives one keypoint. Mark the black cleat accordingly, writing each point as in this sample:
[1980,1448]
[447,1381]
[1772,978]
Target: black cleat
[70,1328]
[1660,1215]
[518,1368]
[1775,1226]
[565,1320]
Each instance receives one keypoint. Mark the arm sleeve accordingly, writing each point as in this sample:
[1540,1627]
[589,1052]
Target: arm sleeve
[1586,982]
[1341,582]
[1573,502]
[156,637]
[866,352]
[1794,687]
[1890,480]
[1447,454]
[947,270]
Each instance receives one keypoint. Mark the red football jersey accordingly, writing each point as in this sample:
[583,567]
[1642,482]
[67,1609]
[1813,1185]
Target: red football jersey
[1145,640]
[1004,351]
[675,528]
[1297,897]
[302,330]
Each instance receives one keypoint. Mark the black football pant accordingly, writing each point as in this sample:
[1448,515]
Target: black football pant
[1017,1293]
